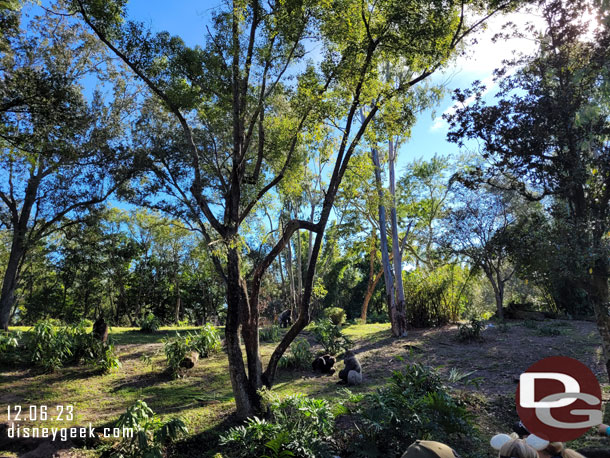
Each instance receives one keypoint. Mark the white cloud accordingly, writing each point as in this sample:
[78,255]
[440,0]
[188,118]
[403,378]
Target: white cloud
[486,55]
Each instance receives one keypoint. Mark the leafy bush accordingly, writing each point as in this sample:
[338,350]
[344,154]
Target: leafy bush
[435,297]
[270,334]
[150,434]
[50,345]
[329,335]
[9,345]
[102,356]
[299,425]
[336,315]
[149,323]
[176,349]
[414,405]
[206,341]
[471,332]
[300,356]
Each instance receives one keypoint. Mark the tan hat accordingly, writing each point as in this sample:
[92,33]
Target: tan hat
[429,449]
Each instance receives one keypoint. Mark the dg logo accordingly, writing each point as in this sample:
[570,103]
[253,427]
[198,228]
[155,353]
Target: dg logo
[559,399]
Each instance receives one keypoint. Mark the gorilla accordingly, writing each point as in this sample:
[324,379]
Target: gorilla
[285,319]
[351,374]
[100,329]
[324,364]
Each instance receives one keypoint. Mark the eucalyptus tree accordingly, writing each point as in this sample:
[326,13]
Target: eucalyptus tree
[234,119]
[548,136]
[60,152]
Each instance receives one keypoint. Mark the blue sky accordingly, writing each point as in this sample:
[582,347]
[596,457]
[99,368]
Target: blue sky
[188,19]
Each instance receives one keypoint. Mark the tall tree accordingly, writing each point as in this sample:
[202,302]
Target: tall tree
[247,109]
[548,135]
[57,148]
[475,230]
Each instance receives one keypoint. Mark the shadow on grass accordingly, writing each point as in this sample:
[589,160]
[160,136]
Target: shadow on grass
[206,443]
[143,380]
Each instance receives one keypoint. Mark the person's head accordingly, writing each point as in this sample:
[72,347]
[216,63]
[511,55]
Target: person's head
[429,449]
[517,448]
[558,449]
[569,453]
[553,449]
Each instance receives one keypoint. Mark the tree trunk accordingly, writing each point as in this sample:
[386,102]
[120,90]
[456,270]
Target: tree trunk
[369,294]
[299,274]
[401,319]
[290,271]
[599,297]
[9,284]
[178,298]
[246,399]
[498,288]
[383,238]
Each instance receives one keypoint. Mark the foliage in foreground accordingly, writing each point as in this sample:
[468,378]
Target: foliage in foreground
[9,343]
[331,338]
[297,426]
[415,404]
[150,433]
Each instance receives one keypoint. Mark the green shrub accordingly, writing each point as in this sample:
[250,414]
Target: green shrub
[50,345]
[329,335]
[9,346]
[176,349]
[413,405]
[270,334]
[150,433]
[336,315]
[471,332]
[149,323]
[300,356]
[206,341]
[373,317]
[87,323]
[296,424]
[102,356]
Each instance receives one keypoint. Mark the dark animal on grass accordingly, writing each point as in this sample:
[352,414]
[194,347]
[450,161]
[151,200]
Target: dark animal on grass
[190,360]
[324,364]
[351,374]
[100,329]
[285,319]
